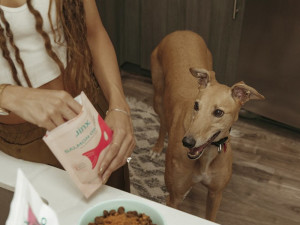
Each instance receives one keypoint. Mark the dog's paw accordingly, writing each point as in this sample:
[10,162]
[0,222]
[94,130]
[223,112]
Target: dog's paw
[154,154]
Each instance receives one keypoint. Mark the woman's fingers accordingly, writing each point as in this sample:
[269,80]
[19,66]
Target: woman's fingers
[49,125]
[68,107]
[109,166]
[74,105]
[111,153]
[57,120]
[115,157]
[115,149]
[68,113]
[58,113]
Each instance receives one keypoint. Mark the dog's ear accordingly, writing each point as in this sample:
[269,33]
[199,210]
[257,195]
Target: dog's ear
[202,75]
[243,93]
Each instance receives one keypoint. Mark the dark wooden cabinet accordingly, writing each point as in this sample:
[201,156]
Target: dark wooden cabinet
[269,58]
[251,40]
[137,26]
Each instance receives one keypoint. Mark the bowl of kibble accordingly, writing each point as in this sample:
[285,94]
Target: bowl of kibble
[121,212]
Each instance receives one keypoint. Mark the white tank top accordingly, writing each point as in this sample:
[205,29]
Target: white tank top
[40,67]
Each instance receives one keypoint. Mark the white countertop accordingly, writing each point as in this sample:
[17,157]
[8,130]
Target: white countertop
[64,198]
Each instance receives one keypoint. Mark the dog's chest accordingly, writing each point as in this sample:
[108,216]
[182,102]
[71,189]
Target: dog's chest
[202,178]
[202,172]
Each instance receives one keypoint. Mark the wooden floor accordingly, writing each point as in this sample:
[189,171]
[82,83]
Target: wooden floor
[265,185]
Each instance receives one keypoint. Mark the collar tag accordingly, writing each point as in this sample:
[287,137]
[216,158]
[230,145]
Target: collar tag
[220,147]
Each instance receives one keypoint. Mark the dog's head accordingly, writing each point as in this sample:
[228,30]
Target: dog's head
[215,109]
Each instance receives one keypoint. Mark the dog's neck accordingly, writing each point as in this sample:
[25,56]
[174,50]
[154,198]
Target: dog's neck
[221,144]
[207,158]
[212,152]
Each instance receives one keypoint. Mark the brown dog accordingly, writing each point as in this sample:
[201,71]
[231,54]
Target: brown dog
[197,113]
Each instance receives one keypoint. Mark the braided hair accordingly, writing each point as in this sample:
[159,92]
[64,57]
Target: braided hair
[78,74]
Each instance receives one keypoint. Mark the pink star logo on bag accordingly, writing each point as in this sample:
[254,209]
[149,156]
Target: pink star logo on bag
[31,218]
[106,136]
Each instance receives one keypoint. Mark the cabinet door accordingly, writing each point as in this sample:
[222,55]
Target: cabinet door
[269,58]
[137,26]
[161,17]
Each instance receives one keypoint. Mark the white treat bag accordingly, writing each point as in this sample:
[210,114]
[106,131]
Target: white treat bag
[77,144]
[27,207]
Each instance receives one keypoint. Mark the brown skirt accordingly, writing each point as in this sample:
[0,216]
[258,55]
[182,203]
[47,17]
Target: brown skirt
[24,141]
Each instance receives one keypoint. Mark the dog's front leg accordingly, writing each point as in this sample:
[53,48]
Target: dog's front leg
[178,181]
[213,202]
[177,195]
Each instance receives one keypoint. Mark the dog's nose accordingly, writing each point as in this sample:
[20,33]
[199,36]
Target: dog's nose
[188,142]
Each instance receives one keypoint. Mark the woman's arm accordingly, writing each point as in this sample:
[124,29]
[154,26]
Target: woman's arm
[107,72]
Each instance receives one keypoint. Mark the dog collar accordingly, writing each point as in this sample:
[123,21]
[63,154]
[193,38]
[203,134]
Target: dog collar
[220,143]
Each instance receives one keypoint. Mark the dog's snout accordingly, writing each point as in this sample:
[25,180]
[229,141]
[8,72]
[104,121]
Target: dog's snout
[188,142]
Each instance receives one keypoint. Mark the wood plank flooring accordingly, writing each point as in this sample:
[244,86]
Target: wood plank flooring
[265,184]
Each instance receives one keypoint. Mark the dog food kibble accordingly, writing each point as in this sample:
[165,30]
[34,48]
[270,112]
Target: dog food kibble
[120,217]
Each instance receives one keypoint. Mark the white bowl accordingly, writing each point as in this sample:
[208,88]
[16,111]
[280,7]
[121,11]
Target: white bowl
[129,205]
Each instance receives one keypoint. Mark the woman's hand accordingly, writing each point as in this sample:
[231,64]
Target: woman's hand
[122,144]
[44,108]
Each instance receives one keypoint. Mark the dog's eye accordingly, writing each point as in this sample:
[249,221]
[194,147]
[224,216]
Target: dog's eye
[196,106]
[218,113]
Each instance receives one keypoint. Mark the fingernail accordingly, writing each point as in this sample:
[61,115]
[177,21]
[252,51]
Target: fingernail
[100,173]
[104,180]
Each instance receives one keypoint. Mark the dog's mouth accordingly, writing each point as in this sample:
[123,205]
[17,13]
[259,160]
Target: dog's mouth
[196,153]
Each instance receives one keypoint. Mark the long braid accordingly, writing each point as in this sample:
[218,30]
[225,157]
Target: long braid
[70,14]
[79,55]
[39,29]
[10,36]
[5,51]
[56,34]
